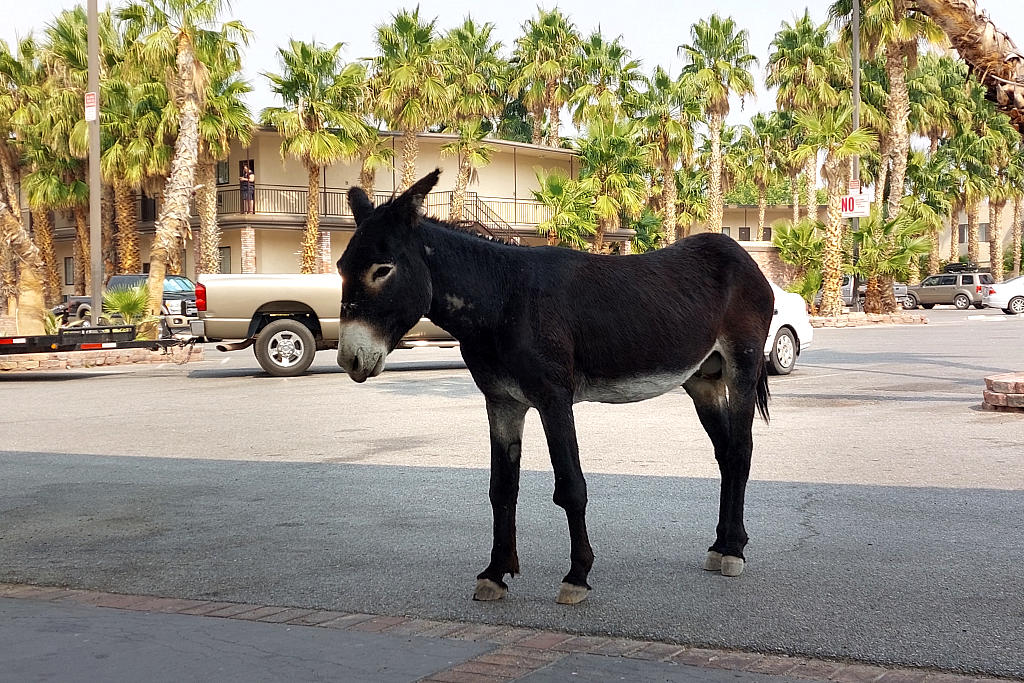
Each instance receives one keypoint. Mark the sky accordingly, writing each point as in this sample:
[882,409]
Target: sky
[652,29]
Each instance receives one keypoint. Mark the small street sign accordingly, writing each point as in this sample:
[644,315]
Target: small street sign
[856,205]
[91,106]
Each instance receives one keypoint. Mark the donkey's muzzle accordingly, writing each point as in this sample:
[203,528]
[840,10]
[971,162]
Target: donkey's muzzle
[361,351]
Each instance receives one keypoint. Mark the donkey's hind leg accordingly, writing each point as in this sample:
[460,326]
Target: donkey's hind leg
[505,418]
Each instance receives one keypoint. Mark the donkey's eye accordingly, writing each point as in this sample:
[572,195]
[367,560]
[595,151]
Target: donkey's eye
[381,272]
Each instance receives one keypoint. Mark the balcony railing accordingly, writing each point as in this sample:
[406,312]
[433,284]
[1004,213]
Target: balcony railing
[292,200]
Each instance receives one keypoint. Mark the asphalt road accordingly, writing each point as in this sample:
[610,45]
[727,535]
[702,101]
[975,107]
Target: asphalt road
[884,513]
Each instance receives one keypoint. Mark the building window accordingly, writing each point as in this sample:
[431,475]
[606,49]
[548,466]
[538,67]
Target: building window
[983,232]
[225,259]
[223,173]
[744,234]
[726,230]
[962,234]
[69,270]
[148,212]
[767,233]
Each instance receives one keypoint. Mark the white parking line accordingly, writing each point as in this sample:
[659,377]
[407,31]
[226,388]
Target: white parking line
[790,378]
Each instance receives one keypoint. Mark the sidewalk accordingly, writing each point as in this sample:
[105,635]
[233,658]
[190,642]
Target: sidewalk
[72,635]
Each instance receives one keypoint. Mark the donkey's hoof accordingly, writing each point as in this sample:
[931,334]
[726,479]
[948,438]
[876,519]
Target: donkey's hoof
[487,590]
[713,562]
[731,565]
[571,594]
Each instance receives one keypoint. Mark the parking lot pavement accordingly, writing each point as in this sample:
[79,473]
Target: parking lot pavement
[884,508]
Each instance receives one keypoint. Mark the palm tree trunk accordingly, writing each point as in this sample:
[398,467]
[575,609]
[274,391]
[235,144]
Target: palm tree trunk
[367,178]
[954,238]
[883,171]
[973,219]
[174,213]
[795,187]
[311,235]
[811,171]
[29,264]
[8,280]
[762,208]
[873,296]
[410,150]
[715,175]
[209,231]
[1018,225]
[669,193]
[554,139]
[995,238]
[898,112]
[934,256]
[537,134]
[83,273]
[832,252]
[129,256]
[43,227]
[461,183]
[107,232]
[889,304]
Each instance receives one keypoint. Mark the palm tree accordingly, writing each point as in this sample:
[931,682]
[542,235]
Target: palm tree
[968,156]
[758,144]
[691,198]
[545,61]
[1015,179]
[718,62]
[887,248]
[614,162]
[410,82]
[225,118]
[319,123]
[800,244]
[892,27]
[806,67]
[931,186]
[179,37]
[571,206]
[829,131]
[1007,163]
[666,110]
[607,76]
[374,151]
[472,152]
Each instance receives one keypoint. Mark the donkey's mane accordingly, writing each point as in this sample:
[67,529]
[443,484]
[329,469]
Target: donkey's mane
[466,227]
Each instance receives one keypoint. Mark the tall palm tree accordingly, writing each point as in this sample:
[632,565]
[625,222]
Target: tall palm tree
[760,151]
[614,162]
[666,111]
[887,249]
[931,187]
[893,28]
[374,152]
[829,131]
[718,62]
[410,82]
[320,122]
[545,60]
[479,80]
[571,220]
[1006,164]
[225,118]
[1015,178]
[183,38]
[607,75]
[806,68]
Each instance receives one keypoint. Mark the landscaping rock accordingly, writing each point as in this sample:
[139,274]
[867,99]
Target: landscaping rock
[1004,393]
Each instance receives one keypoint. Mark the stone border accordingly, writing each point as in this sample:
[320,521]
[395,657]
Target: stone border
[521,651]
[863,319]
[1004,393]
[67,360]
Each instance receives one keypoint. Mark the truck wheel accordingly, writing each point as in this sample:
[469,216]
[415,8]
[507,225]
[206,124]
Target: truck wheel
[910,303]
[783,356]
[962,302]
[285,348]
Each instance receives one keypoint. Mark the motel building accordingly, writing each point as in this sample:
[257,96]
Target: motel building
[500,202]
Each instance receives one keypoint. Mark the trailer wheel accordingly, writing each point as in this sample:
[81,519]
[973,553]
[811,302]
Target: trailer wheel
[285,348]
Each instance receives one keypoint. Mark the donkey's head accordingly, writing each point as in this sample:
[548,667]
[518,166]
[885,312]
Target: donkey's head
[385,280]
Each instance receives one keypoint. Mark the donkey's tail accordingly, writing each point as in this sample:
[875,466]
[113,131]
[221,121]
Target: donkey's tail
[762,392]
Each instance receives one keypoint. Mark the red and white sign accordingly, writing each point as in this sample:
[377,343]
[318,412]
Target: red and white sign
[91,106]
[856,205]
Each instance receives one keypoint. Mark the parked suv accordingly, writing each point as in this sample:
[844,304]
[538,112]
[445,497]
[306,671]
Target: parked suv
[963,290]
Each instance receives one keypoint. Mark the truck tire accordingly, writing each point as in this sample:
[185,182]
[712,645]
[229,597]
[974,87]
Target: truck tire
[910,302]
[285,348]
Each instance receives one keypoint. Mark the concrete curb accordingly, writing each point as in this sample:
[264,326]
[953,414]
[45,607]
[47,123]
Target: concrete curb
[68,360]
[521,651]
[1004,393]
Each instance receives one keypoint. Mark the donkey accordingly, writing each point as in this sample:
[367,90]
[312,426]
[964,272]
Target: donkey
[544,328]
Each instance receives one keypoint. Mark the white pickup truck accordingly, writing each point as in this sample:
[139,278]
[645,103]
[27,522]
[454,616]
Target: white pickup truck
[287,318]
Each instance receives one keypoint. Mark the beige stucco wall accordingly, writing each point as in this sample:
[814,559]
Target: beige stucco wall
[277,251]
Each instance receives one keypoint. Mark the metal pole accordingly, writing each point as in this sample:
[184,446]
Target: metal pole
[855,171]
[95,229]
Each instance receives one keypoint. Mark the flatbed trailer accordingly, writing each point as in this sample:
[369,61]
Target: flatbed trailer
[86,339]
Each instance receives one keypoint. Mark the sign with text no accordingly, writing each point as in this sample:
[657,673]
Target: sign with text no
[91,106]
[856,205]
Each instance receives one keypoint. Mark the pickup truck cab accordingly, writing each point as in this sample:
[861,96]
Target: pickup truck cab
[287,318]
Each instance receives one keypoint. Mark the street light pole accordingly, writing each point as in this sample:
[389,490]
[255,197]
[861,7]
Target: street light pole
[93,119]
[855,167]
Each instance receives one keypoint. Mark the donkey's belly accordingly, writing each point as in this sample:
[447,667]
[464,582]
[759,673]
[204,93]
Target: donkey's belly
[629,389]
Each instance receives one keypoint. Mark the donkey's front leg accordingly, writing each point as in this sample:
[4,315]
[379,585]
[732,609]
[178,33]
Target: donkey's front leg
[570,494]
[506,423]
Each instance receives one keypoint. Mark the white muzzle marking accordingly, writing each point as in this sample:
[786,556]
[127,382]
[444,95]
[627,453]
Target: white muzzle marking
[361,351]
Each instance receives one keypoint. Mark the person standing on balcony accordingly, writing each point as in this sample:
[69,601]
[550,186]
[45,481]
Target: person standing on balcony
[247,187]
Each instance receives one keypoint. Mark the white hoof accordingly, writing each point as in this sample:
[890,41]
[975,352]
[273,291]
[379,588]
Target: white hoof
[713,561]
[571,594]
[732,566]
[487,590]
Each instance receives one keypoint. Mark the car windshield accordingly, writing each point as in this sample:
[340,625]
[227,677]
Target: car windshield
[178,284]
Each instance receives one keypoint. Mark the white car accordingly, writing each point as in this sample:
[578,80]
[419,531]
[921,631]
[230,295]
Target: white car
[790,333]
[1008,296]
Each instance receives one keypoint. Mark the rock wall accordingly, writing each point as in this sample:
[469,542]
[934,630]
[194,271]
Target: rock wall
[91,359]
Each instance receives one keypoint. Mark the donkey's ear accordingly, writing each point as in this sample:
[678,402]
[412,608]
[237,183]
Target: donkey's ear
[410,202]
[361,205]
